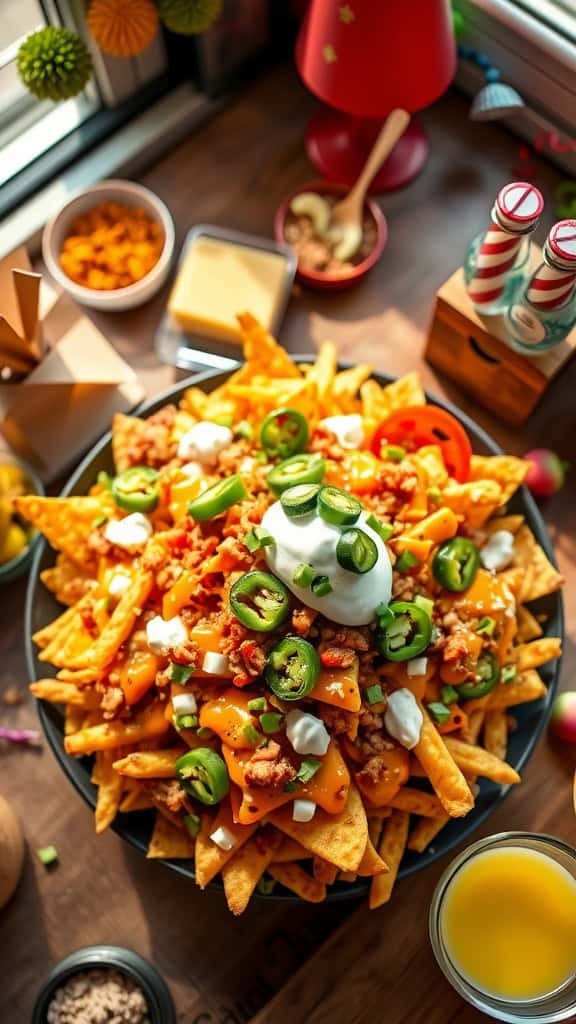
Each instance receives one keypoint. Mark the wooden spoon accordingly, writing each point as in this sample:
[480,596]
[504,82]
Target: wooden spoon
[11,851]
[346,216]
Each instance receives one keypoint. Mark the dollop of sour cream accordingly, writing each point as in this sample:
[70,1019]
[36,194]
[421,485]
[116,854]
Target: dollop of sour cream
[306,733]
[349,430]
[498,551]
[129,533]
[403,718]
[310,539]
[204,442]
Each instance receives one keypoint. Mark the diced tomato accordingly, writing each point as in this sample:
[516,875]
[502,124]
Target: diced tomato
[423,425]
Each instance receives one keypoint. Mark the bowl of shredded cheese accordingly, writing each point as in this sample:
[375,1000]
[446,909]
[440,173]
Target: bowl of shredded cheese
[110,246]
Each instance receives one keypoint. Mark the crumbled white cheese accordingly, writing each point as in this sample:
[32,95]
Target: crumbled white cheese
[184,704]
[223,838]
[417,666]
[303,810]
[247,465]
[349,430]
[163,634]
[193,470]
[498,550]
[306,733]
[403,718]
[118,584]
[131,532]
[215,664]
[204,442]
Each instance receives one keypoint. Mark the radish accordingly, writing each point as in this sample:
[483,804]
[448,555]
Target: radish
[546,472]
[563,717]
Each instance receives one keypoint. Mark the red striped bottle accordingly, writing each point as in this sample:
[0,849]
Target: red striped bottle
[497,262]
[546,310]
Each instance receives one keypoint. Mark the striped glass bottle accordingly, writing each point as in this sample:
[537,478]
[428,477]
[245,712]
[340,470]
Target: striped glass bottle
[545,311]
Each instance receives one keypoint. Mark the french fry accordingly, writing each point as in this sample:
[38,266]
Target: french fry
[424,832]
[169,842]
[146,725]
[444,774]
[121,622]
[477,761]
[292,877]
[537,653]
[73,719]
[372,863]
[134,799]
[150,764]
[525,688]
[64,693]
[323,370]
[416,801]
[243,871]
[496,733]
[290,851]
[109,790]
[475,722]
[391,850]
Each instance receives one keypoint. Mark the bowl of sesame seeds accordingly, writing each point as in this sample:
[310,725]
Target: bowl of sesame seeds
[104,985]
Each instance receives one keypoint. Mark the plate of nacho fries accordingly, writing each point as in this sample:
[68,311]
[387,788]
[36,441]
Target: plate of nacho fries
[294,628]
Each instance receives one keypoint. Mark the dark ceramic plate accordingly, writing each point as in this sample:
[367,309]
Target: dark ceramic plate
[135,828]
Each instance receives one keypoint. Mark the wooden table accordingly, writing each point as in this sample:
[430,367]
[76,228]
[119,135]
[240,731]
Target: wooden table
[353,967]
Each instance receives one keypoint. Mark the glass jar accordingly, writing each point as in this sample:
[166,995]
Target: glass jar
[532,331]
[517,276]
[551,1008]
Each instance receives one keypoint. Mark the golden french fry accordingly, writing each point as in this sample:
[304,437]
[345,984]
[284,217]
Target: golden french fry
[169,842]
[150,764]
[58,627]
[372,863]
[109,790]
[416,801]
[244,869]
[323,371]
[537,653]
[525,688]
[477,761]
[121,623]
[391,850]
[444,774]
[475,722]
[146,725]
[496,733]
[73,719]
[292,877]
[65,693]
[424,832]
[134,798]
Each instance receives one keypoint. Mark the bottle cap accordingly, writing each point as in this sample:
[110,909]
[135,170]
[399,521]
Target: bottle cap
[518,207]
[560,246]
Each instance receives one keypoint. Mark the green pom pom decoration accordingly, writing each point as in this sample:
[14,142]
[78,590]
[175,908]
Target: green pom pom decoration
[54,63]
[187,17]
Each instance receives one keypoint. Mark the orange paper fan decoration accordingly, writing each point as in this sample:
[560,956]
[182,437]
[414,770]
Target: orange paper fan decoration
[122,28]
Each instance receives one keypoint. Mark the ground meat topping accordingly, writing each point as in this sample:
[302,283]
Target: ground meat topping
[98,997]
[274,773]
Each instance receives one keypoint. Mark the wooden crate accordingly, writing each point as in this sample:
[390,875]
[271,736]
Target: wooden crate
[471,351]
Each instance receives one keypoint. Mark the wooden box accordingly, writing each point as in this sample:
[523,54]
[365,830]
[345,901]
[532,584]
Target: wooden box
[471,351]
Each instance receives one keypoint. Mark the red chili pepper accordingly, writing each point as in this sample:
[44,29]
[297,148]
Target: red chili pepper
[415,427]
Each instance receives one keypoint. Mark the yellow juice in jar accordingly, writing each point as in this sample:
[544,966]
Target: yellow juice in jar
[508,923]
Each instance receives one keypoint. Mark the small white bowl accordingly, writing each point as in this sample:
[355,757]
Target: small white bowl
[119,191]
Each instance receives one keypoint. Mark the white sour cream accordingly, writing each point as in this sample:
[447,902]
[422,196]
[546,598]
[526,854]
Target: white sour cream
[349,430]
[204,442]
[498,550]
[129,533]
[313,541]
[306,733]
[403,718]
[163,634]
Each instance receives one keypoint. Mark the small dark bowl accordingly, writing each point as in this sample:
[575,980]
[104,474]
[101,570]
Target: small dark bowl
[160,1005]
[319,279]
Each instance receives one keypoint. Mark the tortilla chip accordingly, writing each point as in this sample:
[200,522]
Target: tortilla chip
[323,871]
[424,832]
[528,626]
[135,799]
[289,851]
[371,863]
[391,850]
[294,878]
[67,523]
[66,580]
[540,576]
[510,523]
[379,402]
[243,871]
[537,653]
[210,858]
[110,787]
[506,470]
[261,348]
[475,501]
[169,842]
[125,429]
[337,838]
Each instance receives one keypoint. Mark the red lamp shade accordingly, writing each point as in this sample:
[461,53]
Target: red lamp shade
[364,58]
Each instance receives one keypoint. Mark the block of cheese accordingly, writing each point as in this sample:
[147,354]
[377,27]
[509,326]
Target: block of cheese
[218,279]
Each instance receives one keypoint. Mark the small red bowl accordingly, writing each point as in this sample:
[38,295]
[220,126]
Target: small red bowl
[319,279]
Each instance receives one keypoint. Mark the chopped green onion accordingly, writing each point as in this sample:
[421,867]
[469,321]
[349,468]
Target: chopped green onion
[487,625]
[303,575]
[321,586]
[244,429]
[262,458]
[449,694]
[270,722]
[185,721]
[251,734]
[104,479]
[47,855]
[99,521]
[203,733]
[266,885]
[258,704]
[258,538]
[425,604]
[440,713]
[384,530]
[308,769]
[393,452]
[434,494]
[225,419]
[508,673]
[406,562]
[290,787]
[181,673]
[374,694]
[192,823]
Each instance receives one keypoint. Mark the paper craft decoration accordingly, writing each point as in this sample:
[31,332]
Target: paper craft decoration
[60,379]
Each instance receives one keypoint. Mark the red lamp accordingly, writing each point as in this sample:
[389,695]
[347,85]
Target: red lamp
[364,58]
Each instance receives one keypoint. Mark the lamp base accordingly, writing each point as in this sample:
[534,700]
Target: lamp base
[338,145]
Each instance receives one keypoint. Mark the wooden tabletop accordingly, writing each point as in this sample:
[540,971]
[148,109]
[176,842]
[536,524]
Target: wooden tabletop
[337,962]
